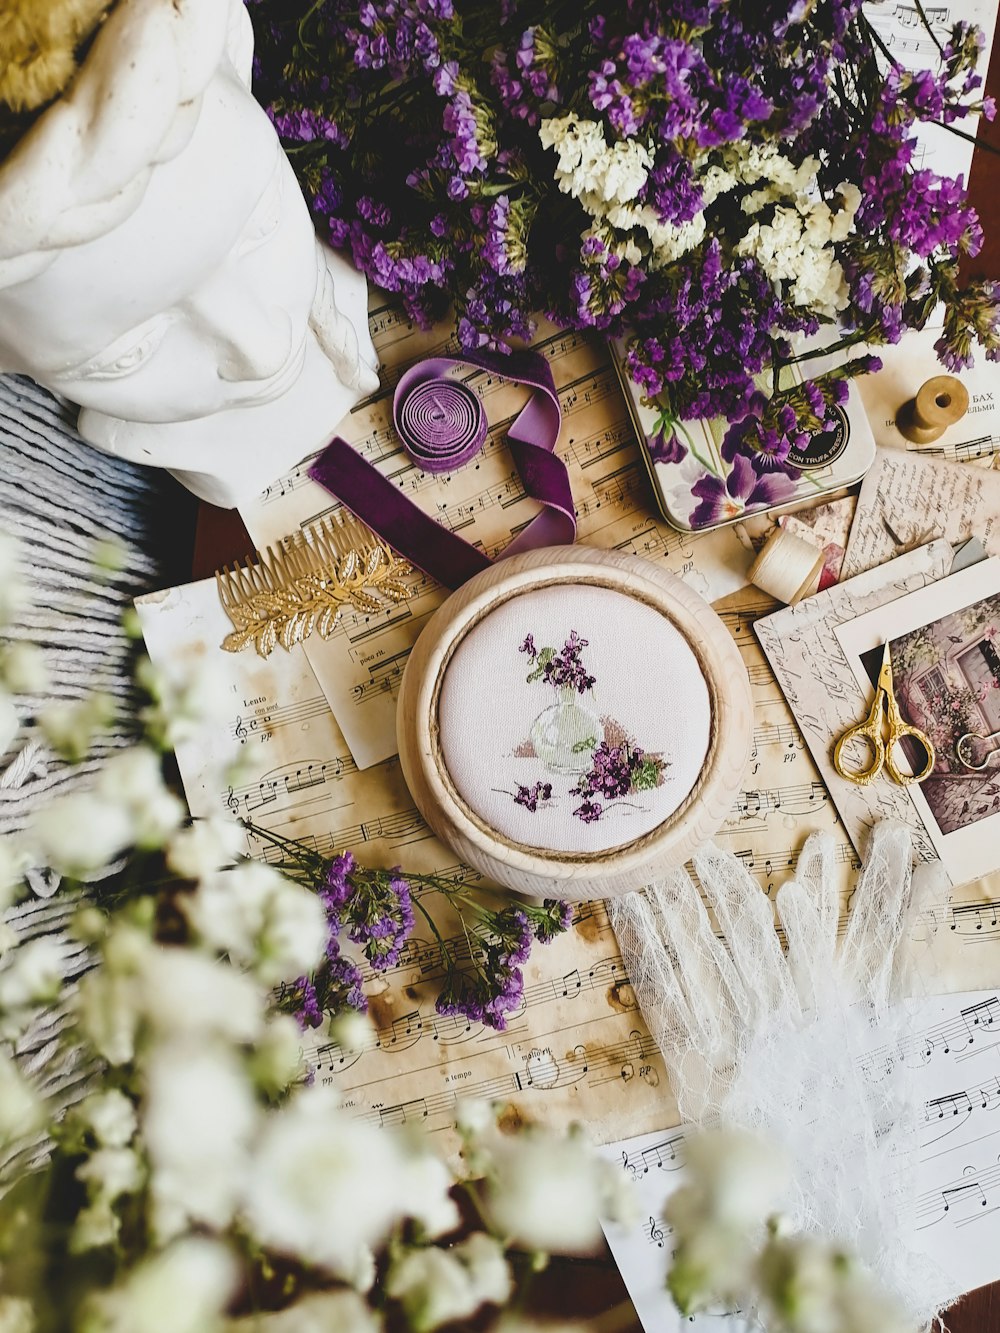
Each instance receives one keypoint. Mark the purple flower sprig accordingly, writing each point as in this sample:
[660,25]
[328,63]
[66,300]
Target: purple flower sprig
[374,909]
[529,797]
[562,669]
[616,771]
[500,941]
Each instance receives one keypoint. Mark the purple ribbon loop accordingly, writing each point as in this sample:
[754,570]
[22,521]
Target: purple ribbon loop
[442,429]
[441,422]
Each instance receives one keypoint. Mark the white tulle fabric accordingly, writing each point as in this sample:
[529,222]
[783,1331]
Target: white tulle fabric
[802,1047]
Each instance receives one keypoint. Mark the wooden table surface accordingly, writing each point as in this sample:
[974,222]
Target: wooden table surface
[586,1289]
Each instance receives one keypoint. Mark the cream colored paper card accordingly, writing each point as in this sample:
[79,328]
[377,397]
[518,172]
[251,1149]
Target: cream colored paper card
[360,667]
[907,500]
[946,669]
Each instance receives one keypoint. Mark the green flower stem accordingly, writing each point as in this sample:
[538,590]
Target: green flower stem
[714,467]
[304,856]
[842,344]
[447,958]
[930,31]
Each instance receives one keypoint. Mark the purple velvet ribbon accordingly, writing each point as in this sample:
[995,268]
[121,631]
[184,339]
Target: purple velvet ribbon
[442,430]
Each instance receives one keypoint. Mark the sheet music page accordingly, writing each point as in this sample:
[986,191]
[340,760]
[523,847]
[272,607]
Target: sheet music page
[953,1055]
[654,1164]
[360,667]
[579,1049]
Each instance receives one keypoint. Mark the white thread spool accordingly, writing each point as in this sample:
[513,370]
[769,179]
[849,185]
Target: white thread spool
[787,567]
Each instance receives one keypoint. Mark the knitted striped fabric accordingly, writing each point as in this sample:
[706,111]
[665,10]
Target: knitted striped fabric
[58,497]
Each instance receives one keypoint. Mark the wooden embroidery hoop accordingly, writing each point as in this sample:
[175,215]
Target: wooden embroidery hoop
[575,875]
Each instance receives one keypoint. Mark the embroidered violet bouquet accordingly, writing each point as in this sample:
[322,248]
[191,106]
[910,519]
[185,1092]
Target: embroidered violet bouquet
[713,180]
[568,737]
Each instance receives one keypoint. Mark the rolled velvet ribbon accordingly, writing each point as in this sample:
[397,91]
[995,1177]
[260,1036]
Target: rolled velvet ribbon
[441,422]
[442,425]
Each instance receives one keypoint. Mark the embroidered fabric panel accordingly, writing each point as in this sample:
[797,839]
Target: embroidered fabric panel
[574,719]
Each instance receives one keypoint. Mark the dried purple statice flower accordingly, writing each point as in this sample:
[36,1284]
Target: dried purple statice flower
[374,909]
[501,942]
[639,169]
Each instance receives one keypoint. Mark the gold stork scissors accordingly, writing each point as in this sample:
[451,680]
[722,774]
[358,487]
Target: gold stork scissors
[870,731]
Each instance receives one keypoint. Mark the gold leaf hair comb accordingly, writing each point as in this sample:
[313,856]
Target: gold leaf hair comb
[303,583]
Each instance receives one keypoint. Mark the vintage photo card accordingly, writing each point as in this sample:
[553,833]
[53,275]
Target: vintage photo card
[944,641]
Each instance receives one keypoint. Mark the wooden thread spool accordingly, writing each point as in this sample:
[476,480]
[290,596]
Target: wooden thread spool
[787,567]
[939,403]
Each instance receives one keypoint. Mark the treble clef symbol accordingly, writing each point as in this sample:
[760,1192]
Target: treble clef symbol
[233,801]
[240,731]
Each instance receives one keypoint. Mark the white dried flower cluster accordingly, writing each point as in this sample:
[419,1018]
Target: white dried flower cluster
[183,696]
[734,1182]
[70,725]
[199,1142]
[31,975]
[437,1286]
[129,806]
[729,1247]
[794,247]
[21,668]
[597,173]
[260,919]
[543,1190]
[203,847]
[21,1109]
[607,179]
[184,1288]
[329,1188]
[320,1312]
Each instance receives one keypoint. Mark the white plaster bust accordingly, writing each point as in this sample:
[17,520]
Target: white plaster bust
[159,267]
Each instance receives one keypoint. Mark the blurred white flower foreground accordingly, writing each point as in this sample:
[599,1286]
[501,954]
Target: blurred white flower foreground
[204,1185]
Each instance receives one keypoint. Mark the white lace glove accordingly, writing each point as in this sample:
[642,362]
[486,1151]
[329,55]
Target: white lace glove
[797,1047]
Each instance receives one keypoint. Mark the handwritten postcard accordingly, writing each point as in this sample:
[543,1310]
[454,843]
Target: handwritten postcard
[907,501]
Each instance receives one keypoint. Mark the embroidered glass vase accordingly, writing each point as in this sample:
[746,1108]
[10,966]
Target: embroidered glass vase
[566,734]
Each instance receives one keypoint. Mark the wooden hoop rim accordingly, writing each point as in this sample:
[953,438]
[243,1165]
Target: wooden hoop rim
[624,866]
